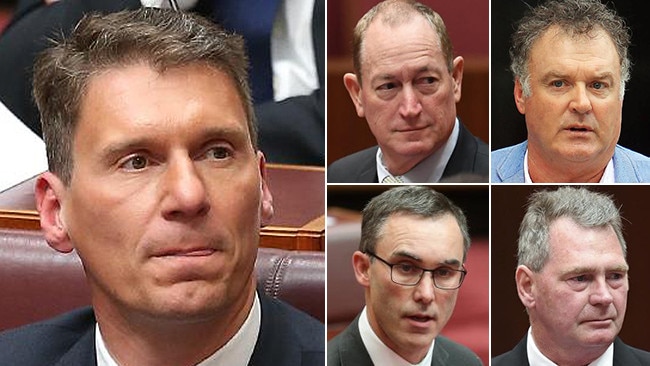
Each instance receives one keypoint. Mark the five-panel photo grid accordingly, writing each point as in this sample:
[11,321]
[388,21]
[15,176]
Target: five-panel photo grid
[311,182]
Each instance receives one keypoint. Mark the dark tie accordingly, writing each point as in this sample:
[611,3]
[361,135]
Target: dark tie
[253,19]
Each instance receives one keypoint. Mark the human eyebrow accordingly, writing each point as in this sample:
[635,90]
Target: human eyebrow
[408,255]
[114,151]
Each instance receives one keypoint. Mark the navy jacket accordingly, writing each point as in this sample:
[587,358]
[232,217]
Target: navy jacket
[287,337]
[624,355]
[470,158]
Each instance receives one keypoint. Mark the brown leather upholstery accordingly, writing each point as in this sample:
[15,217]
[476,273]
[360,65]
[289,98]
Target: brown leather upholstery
[37,282]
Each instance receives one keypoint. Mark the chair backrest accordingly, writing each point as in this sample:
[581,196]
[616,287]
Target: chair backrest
[36,282]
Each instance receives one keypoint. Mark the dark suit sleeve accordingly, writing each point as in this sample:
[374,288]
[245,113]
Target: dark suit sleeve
[28,34]
[293,130]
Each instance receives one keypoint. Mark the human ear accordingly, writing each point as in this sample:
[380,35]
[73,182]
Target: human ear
[361,265]
[457,75]
[519,96]
[525,286]
[353,86]
[49,193]
[266,208]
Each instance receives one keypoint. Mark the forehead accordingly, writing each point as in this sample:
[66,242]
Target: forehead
[383,42]
[139,97]
[423,236]
[573,244]
[557,48]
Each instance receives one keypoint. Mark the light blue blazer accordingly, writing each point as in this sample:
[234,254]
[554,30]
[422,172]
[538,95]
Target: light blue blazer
[507,165]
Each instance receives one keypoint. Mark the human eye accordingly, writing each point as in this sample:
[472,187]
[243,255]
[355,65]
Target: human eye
[427,80]
[406,268]
[135,162]
[616,276]
[387,86]
[444,272]
[218,153]
[557,83]
[581,278]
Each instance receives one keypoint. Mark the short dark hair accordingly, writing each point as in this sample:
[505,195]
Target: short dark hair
[418,201]
[161,38]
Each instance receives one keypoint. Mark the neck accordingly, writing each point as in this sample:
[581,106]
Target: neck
[136,339]
[543,171]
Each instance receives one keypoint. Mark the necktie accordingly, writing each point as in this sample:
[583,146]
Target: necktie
[391,179]
[252,19]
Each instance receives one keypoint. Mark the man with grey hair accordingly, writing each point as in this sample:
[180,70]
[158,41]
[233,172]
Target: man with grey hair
[570,64]
[572,278]
[156,181]
[406,84]
[410,261]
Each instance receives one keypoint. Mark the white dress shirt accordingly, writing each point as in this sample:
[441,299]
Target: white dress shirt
[236,352]
[379,353]
[608,176]
[536,358]
[428,170]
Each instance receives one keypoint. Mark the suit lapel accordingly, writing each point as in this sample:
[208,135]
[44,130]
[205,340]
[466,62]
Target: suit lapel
[83,352]
[352,351]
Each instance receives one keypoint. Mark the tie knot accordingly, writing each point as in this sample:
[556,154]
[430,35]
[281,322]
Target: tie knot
[392,179]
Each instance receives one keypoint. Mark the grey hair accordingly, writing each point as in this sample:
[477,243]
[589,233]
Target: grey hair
[576,18]
[412,200]
[587,208]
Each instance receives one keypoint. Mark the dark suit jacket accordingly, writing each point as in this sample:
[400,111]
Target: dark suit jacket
[347,349]
[624,355]
[291,131]
[469,159]
[287,337]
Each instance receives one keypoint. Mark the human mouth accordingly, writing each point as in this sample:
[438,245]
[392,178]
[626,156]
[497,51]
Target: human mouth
[185,252]
[578,128]
[421,321]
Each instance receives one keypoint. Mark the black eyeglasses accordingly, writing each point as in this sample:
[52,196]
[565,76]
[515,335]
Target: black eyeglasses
[407,274]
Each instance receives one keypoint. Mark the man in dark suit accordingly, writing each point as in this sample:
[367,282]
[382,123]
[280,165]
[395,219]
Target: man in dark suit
[292,129]
[410,261]
[406,84]
[156,180]
[572,279]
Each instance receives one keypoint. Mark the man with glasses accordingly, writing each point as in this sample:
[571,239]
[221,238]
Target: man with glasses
[414,241]
[572,278]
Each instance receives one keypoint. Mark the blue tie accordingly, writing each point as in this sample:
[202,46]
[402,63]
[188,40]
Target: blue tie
[253,19]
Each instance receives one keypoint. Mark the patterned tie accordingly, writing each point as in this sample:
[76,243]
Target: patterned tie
[253,19]
[391,179]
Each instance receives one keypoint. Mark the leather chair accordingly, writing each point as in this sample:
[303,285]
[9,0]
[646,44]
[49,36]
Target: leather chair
[36,282]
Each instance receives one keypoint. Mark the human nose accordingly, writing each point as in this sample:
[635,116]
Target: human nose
[410,104]
[601,293]
[580,102]
[184,190]
[425,289]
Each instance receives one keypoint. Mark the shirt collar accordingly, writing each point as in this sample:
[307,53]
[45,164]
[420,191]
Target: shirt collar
[237,351]
[379,353]
[536,358]
[431,168]
[607,178]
